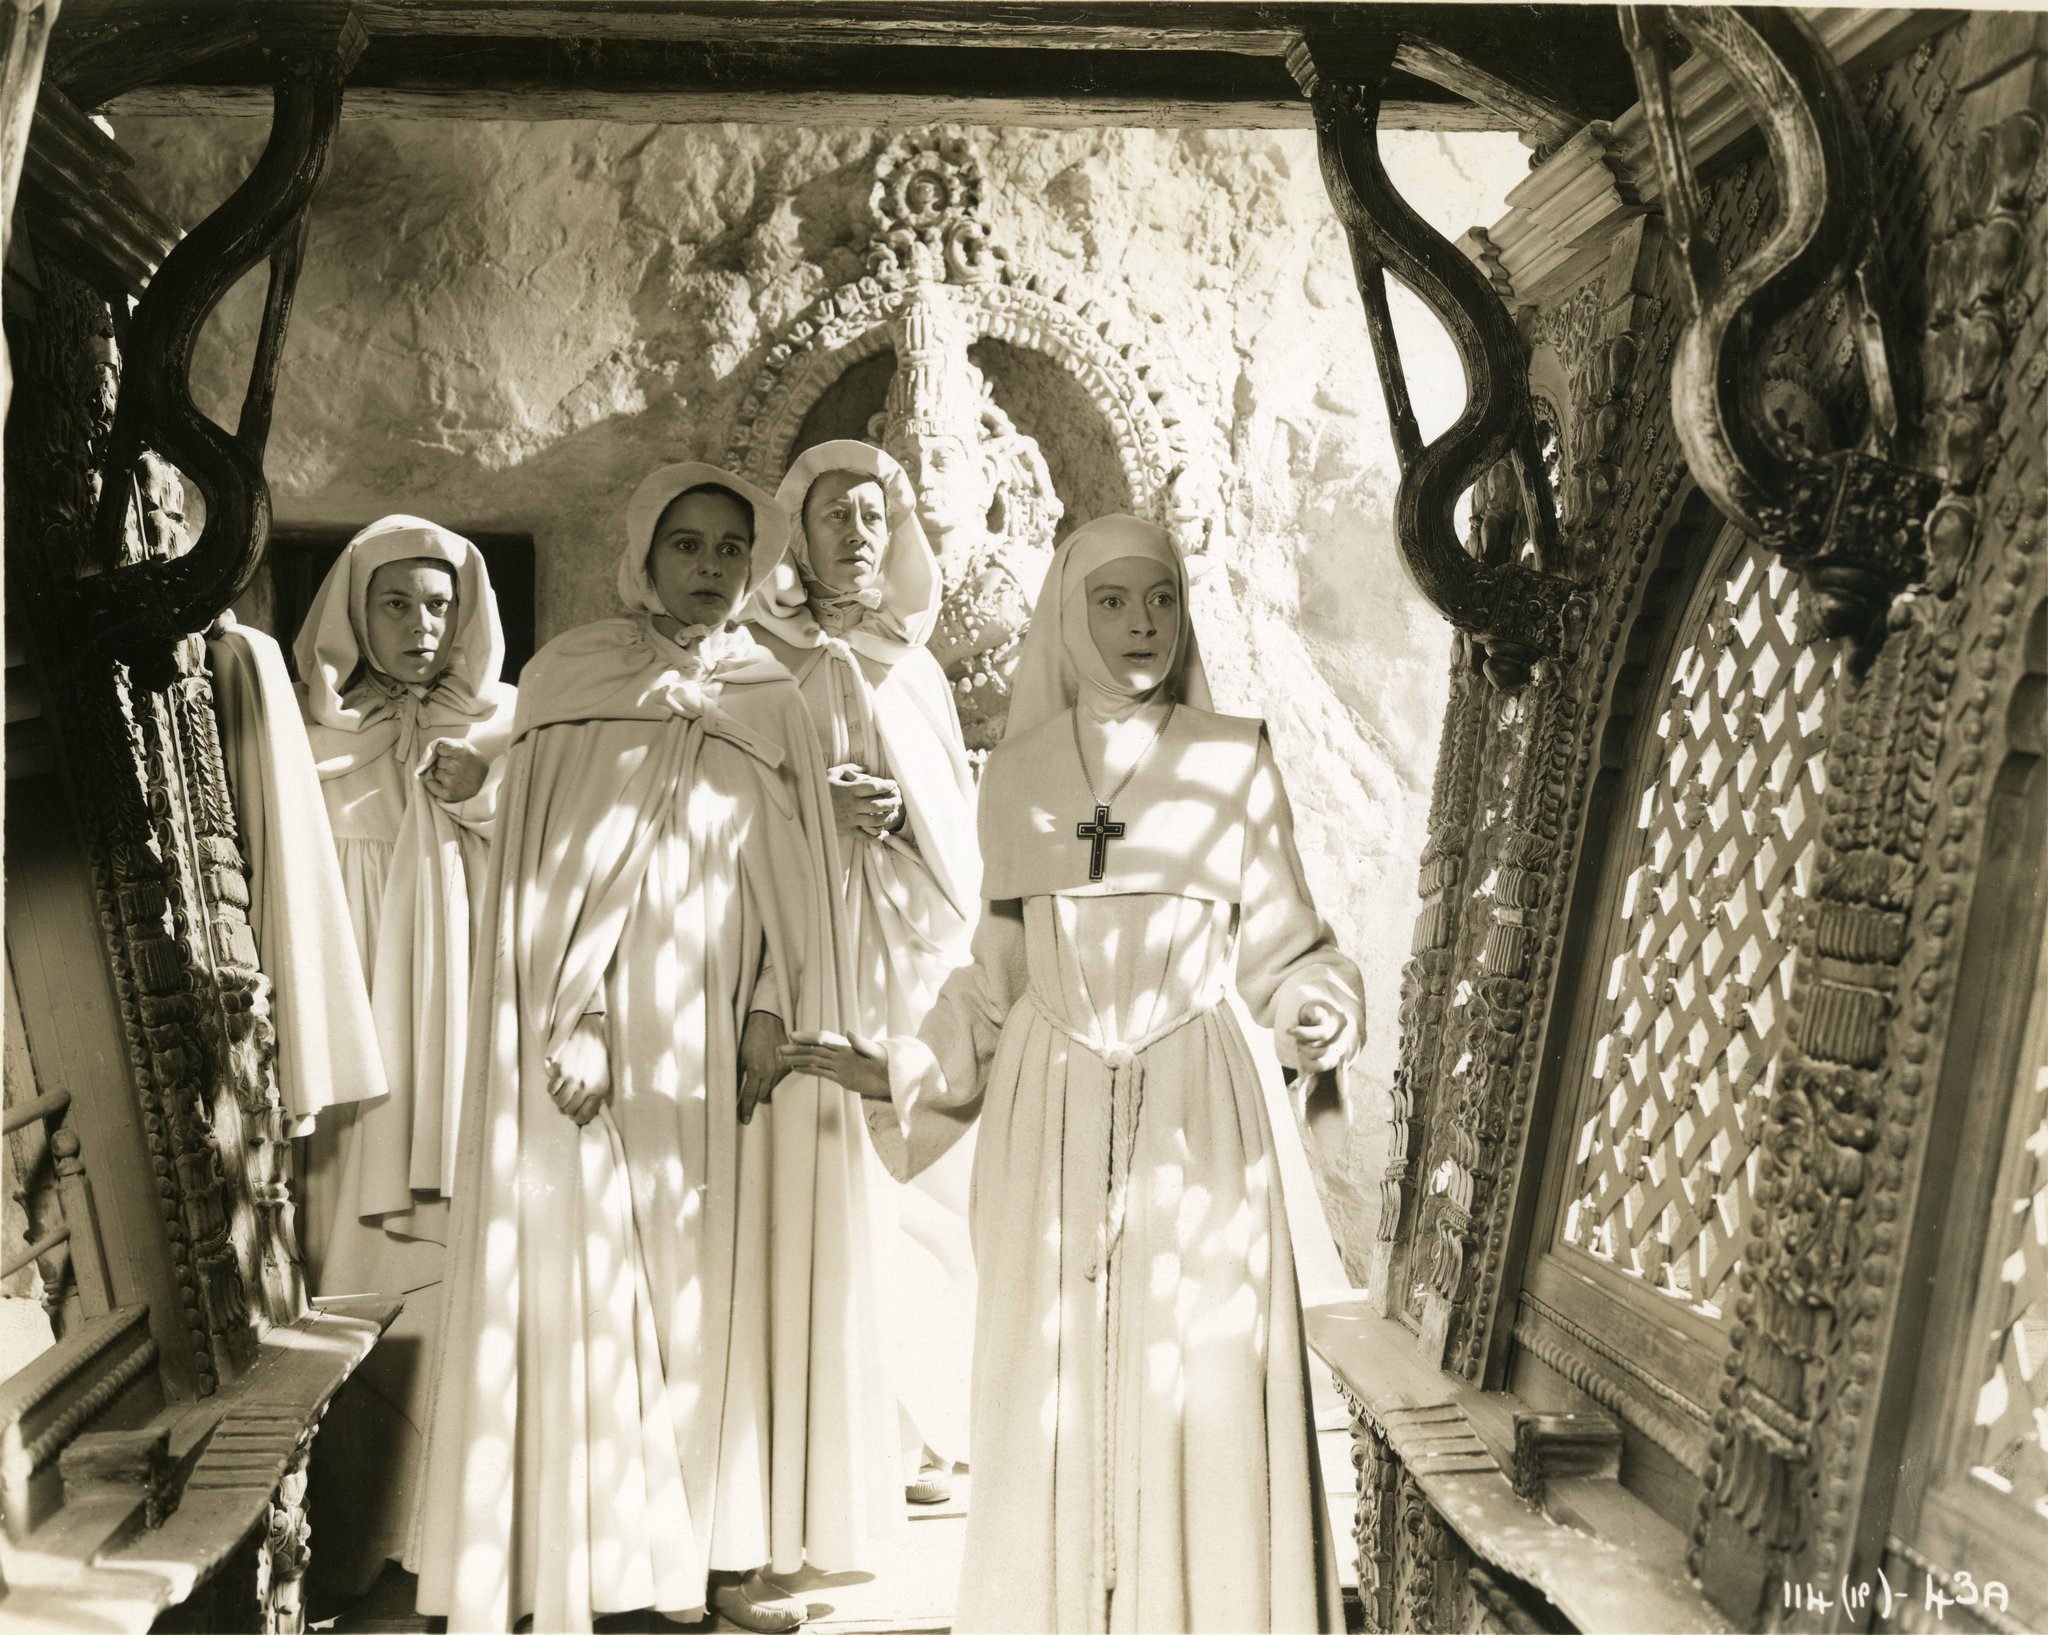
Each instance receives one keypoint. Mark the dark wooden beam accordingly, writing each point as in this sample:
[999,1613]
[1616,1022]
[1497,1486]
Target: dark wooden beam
[1515,97]
[528,77]
[882,110]
[1543,69]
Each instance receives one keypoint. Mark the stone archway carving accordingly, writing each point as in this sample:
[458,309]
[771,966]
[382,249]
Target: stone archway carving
[938,283]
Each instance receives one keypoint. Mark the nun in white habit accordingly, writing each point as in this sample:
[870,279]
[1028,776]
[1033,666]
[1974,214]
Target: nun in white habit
[847,611]
[408,723]
[661,1313]
[1144,1451]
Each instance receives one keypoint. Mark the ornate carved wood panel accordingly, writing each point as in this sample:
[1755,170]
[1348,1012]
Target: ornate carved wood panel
[111,590]
[1500,920]
[1806,1457]
[1792,1111]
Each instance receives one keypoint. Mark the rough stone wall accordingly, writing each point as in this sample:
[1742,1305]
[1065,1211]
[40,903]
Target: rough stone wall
[504,325]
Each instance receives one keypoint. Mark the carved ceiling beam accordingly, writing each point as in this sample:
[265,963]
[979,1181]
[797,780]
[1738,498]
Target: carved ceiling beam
[140,608]
[1544,69]
[1849,521]
[1518,98]
[100,54]
[1517,611]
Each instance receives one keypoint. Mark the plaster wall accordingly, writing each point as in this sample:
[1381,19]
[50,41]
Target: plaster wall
[504,325]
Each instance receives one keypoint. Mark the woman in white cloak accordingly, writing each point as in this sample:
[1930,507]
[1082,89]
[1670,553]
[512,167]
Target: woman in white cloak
[1144,1451]
[661,1307]
[847,611]
[398,663]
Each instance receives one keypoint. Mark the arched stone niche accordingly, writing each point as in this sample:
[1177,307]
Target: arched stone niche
[1019,408]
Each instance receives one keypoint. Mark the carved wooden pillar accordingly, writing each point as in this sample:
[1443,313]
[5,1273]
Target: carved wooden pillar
[115,602]
[285,1550]
[1425,981]
[1819,1378]
[1431,1593]
[1486,1055]
[1372,1529]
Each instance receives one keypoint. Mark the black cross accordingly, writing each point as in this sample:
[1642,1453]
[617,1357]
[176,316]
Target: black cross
[1098,835]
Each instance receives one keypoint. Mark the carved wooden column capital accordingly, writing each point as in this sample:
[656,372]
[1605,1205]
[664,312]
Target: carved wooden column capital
[1518,612]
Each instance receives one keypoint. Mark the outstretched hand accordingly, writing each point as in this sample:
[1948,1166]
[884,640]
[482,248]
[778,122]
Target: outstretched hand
[761,1064]
[854,1064]
[1323,1037]
[580,1074]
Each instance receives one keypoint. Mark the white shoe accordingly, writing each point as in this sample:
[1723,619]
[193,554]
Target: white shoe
[756,1602]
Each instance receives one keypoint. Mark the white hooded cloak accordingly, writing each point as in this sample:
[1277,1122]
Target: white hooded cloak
[880,701]
[379,1172]
[661,1323]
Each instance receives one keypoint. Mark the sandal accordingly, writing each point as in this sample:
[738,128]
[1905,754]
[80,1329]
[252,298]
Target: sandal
[770,1615]
[931,1487]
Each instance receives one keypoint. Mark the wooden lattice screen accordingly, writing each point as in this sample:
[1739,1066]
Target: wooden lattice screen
[1693,1012]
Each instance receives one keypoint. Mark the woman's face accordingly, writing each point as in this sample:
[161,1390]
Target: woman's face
[409,619]
[1134,614]
[846,529]
[698,560]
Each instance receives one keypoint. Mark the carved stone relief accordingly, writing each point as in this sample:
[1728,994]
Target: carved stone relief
[938,285]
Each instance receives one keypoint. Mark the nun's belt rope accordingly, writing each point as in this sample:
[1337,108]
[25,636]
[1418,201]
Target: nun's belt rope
[1126,1063]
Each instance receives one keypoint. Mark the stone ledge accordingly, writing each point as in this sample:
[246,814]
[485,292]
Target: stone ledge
[1634,1580]
[66,1577]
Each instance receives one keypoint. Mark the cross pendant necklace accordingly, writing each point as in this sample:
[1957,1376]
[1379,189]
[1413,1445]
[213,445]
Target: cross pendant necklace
[1102,831]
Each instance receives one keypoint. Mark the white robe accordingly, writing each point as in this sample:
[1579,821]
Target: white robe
[660,1323]
[911,899]
[377,1173]
[1144,1446]
[306,937]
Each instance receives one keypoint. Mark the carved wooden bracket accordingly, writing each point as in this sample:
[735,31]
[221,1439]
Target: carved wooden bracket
[1517,612]
[1851,522]
[141,608]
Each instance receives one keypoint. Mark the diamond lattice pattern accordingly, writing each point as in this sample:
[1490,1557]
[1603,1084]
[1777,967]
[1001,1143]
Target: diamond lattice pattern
[1693,1012]
[2010,1439]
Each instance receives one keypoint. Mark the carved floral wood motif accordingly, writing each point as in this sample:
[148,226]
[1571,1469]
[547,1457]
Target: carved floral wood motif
[1414,1574]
